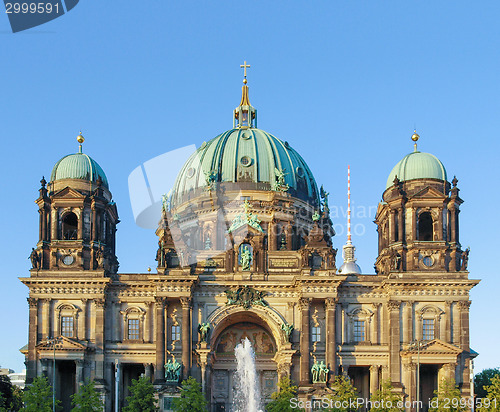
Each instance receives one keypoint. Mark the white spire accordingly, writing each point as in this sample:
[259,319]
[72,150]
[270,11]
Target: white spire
[349,266]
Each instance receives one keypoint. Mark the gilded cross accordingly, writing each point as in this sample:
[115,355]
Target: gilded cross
[244,66]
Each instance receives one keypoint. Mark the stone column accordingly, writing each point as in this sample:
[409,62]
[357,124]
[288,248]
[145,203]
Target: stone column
[449,370]
[147,370]
[147,322]
[446,334]
[288,233]
[413,223]
[440,225]
[160,340]
[79,372]
[345,321]
[272,235]
[394,345]
[453,223]
[45,321]
[393,226]
[375,323]
[401,227]
[100,321]
[80,224]
[186,336]
[304,341]
[410,381]
[463,313]
[32,340]
[54,223]
[374,379]
[82,319]
[456,323]
[408,322]
[331,347]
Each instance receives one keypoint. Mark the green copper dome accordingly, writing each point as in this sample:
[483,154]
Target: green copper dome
[250,158]
[417,165]
[78,166]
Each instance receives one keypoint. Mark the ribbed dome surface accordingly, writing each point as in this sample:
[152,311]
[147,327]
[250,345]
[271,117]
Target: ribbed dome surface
[78,166]
[249,158]
[417,165]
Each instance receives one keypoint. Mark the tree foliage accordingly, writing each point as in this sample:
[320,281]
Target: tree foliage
[38,396]
[142,397]
[385,400]
[448,398]
[281,399]
[344,397]
[192,398]
[492,395]
[9,395]
[87,399]
[483,379]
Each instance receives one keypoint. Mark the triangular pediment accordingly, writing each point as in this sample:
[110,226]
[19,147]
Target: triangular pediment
[68,192]
[64,344]
[429,193]
[437,347]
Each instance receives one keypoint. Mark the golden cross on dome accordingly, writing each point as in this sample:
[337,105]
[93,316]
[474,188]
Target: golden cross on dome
[244,66]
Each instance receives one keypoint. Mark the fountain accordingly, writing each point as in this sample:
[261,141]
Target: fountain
[247,395]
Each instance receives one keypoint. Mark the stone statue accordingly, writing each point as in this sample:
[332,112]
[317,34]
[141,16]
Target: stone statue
[208,243]
[210,178]
[465,259]
[245,258]
[316,216]
[172,371]
[203,330]
[324,195]
[35,259]
[323,372]
[315,372]
[288,329]
[280,184]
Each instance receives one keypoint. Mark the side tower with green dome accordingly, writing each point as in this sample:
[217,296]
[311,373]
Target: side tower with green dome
[77,218]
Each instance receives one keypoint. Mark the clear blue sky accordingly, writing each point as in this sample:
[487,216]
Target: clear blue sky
[345,82]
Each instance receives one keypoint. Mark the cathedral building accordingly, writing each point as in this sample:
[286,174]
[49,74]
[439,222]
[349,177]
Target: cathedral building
[245,251]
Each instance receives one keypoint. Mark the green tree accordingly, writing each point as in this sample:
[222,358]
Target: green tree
[192,398]
[447,398]
[483,379]
[282,398]
[344,397]
[38,396]
[87,399]
[6,394]
[142,398]
[385,400]
[17,398]
[493,396]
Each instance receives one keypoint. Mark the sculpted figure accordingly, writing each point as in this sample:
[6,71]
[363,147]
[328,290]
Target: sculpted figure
[246,258]
[35,258]
[203,330]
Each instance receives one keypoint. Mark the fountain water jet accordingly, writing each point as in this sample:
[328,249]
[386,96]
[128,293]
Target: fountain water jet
[247,395]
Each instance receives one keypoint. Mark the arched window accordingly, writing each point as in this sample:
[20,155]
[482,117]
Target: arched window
[70,226]
[425,227]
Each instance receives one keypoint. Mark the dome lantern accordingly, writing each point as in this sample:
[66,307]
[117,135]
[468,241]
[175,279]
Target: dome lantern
[245,115]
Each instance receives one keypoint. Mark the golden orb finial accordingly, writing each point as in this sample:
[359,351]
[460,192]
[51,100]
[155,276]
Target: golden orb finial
[415,136]
[245,81]
[80,139]
[149,268]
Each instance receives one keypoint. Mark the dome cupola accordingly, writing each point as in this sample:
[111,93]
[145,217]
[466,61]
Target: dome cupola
[79,166]
[417,165]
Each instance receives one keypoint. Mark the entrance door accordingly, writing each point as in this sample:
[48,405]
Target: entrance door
[428,384]
[67,382]
[360,377]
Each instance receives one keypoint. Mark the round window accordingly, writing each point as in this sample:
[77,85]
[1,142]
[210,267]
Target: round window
[300,172]
[190,172]
[246,135]
[427,261]
[246,161]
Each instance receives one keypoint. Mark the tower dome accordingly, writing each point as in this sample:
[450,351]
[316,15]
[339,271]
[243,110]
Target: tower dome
[78,166]
[417,165]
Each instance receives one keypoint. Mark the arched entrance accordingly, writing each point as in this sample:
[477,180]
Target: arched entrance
[229,333]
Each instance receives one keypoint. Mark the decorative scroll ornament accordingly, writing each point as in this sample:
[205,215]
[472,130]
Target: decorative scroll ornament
[245,218]
[245,296]
[279,185]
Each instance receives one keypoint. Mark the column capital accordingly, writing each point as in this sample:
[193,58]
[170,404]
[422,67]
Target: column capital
[374,368]
[304,303]
[160,301]
[186,302]
[464,305]
[32,302]
[331,303]
[291,305]
[100,303]
[393,305]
